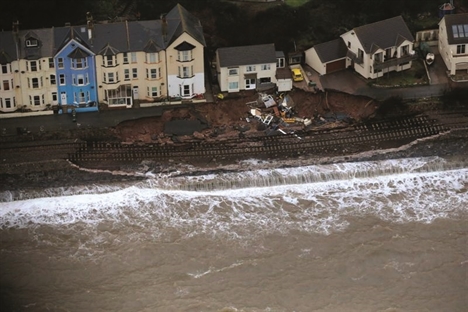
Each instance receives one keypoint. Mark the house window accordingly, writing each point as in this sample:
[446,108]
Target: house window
[185,90]
[79,63]
[1,103]
[33,66]
[51,62]
[378,57]
[60,62]
[35,83]
[6,85]
[54,96]
[280,62]
[461,49]
[110,78]
[152,91]
[185,71]
[62,79]
[184,56]
[5,68]
[35,100]
[31,43]
[250,68]
[388,53]
[125,58]
[152,73]
[233,71]
[404,50]
[265,67]
[234,85]
[265,80]
[8,103]
[133,57]
[108,60]
[127,74]
[460,31]
[134,73]
[349,44]
[152,58]
[80,79]
[360,54]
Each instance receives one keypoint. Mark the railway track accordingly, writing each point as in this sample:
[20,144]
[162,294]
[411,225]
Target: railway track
[366,136]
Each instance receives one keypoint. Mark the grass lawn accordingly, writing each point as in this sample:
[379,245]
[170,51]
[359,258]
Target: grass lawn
[295,3]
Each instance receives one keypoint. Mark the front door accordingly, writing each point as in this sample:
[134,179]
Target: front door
[63,98]
[135,92]
[250,83]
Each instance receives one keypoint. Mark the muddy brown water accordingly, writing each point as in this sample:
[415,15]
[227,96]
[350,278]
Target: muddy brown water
[389,235]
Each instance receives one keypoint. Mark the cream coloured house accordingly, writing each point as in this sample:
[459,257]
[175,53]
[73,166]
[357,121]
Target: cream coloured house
[371,50]
[453,42]
[28,79]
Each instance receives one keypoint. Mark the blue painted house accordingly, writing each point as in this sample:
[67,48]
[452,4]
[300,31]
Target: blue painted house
[76,71]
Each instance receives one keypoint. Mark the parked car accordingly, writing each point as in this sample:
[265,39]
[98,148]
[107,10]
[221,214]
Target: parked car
[297,74]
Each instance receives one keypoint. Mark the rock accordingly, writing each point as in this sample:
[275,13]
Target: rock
[198,135]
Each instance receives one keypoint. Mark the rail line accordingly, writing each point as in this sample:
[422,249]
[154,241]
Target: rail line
[365,136]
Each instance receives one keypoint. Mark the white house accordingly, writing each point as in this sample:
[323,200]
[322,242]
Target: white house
[453,41]
[327,57]
[371,50]
[246,67]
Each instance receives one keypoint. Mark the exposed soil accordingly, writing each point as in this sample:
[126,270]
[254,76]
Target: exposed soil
[230,116]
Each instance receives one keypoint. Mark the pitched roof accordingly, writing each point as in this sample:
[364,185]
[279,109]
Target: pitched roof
[247,55]
[78,53]
[383,34]
[179,20]
[457,24]
[331,50]
[107,38]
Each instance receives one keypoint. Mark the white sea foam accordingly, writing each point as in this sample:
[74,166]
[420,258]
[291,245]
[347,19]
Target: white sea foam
[403,193]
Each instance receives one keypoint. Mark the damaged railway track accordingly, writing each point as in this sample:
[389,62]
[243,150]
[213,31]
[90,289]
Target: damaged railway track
[375,135]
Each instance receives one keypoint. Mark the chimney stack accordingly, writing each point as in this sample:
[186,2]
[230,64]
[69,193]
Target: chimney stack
[15,28]
[164,26]
[90,25]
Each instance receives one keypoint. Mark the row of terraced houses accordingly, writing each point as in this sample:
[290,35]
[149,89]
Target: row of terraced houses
[77,67]
[124,64]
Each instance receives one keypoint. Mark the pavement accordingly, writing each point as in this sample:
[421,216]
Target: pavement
[61,122]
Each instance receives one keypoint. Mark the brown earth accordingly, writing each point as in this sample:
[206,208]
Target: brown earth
[229,115]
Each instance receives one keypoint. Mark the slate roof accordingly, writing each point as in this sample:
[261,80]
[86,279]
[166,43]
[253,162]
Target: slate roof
[78,53]
[107,37]
[331,50]
[383,34]
[247,55]
[179,20]
[456,19]
[7,48]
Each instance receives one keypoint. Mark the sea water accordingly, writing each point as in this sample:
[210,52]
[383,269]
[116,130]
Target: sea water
[364,236]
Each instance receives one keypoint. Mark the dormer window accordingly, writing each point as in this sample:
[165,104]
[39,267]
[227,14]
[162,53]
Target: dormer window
[79,63]
[152,57]
[31,42]
[184,52]
[108,60]
[185,56]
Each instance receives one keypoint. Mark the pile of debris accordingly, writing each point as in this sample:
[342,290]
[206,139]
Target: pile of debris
[277,113]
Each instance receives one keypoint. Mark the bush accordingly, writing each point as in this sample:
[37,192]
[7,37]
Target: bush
[391,107]
[455,98]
